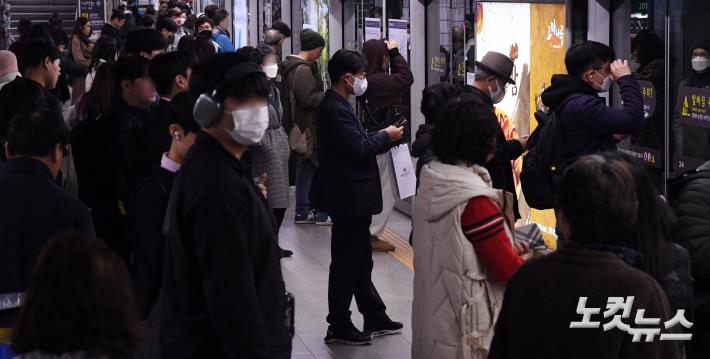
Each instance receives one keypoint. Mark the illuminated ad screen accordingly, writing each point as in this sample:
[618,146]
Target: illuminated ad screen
[538,30]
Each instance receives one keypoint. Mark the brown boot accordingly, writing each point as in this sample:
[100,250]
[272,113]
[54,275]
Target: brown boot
[379,245]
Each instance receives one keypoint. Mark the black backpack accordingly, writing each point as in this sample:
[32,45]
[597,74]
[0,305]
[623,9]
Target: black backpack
[544,164]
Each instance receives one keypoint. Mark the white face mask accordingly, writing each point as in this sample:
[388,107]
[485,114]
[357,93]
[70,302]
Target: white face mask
[249,125]
[700,63]
[271,71]
[605,85]
[360,86]
[497,96]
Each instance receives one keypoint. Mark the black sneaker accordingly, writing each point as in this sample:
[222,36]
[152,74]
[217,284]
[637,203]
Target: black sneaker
[381,326]
[348,335]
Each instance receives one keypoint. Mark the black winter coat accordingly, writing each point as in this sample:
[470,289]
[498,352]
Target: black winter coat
[500,166]
[152,198]
[690,197]
[222,291]
[123,164]
[36,209]
[110,31]
[349,176]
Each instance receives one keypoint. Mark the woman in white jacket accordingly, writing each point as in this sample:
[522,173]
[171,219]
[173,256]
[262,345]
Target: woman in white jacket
[463,241]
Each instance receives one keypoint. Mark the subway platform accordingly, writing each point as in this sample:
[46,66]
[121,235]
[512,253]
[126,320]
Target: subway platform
[306,276]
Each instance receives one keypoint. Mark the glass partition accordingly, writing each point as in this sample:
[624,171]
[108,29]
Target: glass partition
[689,84]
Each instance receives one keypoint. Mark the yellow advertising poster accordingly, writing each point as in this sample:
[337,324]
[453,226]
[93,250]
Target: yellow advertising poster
[533,35]
[547,53]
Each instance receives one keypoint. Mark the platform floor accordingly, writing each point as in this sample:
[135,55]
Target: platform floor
[306,276]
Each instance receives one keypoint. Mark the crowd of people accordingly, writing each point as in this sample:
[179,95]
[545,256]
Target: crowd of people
[149,171]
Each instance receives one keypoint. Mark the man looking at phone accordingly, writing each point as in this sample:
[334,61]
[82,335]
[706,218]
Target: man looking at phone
[493,74]
[350,192]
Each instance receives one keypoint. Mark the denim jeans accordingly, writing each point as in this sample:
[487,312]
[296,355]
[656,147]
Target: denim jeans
[305,171]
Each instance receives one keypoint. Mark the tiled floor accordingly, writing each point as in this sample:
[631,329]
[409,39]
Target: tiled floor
[306,276]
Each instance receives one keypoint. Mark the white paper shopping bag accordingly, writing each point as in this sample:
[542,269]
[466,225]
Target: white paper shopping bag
[403,171]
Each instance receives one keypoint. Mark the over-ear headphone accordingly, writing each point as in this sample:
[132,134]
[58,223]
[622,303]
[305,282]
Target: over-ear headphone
[208,109]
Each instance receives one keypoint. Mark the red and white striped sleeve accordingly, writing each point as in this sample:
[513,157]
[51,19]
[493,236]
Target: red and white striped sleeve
[483,225]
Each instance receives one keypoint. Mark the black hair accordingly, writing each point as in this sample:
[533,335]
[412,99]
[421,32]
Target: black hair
[200,47]
[345,61]
[220,15]
[24,28]
[165,67]
[144,40]
[202,20]
[99,100]
[104,49]
[282,28]
[435,98]
[79,299]
[598,199]
[587,55]
[36,133]
[648,47]
[189,22]
[174,13]
[180,112]
[253,85]
[79,26]
[147,21]
[129,67]
[41,32]
[210,11]
[117,14]
[208,75]
[37,51]
[653,232]
[468,134]
[165,22]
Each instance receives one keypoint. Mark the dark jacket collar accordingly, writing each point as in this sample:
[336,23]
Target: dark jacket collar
[337,97]
[26,165]
[480,94]
[213,146]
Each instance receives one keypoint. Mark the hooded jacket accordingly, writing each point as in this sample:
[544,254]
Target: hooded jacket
[385,90]
[301,92]
[587,124]
[455,304]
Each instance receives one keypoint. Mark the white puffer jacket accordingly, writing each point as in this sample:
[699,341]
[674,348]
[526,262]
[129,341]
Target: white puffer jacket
[455,305]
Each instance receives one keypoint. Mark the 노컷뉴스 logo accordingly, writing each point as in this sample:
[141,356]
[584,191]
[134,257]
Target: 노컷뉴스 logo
[619,308]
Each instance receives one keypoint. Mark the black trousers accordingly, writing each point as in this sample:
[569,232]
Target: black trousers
[351,271]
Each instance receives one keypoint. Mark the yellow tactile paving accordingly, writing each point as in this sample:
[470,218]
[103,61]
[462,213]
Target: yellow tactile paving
[403,252]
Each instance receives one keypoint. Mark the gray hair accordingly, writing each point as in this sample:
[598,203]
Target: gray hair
[481,74]
[272,37]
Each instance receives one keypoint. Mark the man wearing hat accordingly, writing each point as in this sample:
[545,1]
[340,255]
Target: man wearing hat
[302,92]
[493,74]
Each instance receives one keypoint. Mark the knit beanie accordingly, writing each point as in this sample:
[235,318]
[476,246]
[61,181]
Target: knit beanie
[311,40]
[701,44]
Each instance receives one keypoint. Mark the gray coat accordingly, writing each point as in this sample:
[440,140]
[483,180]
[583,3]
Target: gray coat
[271,155]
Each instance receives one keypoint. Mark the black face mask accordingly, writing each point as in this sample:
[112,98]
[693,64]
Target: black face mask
[169,41]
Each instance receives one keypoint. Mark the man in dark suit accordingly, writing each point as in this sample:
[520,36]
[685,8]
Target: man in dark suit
[350,191]
[37,208]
